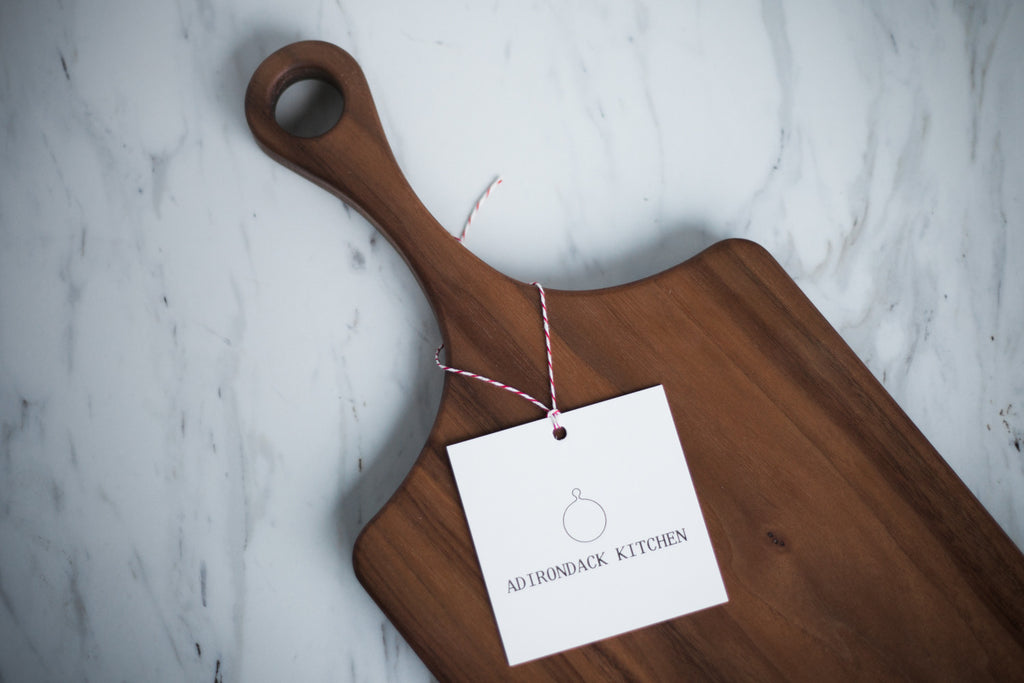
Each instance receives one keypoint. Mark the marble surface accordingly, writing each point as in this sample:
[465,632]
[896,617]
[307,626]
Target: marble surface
[212,373]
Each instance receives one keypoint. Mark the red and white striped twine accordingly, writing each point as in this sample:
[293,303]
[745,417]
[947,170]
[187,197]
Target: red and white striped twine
[476,208]
[553,411]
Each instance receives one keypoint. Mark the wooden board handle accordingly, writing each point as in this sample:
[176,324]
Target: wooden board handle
[354,161]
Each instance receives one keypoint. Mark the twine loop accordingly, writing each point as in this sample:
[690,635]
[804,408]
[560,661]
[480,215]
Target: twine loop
[552,412]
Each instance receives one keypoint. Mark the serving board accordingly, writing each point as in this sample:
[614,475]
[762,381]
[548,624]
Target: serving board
[848,547]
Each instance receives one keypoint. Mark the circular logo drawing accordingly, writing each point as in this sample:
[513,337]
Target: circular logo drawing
[584,519]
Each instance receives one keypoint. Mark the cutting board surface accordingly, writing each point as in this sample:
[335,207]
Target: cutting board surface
[849,549]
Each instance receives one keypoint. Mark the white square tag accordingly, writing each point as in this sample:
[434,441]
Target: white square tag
[590,536]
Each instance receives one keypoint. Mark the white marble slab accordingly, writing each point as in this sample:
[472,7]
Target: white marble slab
[212,373]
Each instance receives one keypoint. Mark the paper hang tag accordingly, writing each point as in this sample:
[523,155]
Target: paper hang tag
[591,536]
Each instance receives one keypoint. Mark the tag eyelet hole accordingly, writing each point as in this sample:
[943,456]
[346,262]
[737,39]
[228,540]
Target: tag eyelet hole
[559,433]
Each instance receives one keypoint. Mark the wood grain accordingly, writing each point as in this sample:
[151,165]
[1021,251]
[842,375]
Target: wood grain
[848,547]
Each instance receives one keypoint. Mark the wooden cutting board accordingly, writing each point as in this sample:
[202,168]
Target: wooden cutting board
[848,546]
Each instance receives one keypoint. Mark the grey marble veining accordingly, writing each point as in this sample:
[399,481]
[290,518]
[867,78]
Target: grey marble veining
[212,373]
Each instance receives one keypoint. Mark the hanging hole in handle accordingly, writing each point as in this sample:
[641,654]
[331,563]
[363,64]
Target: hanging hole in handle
[308,108]
[559,433]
